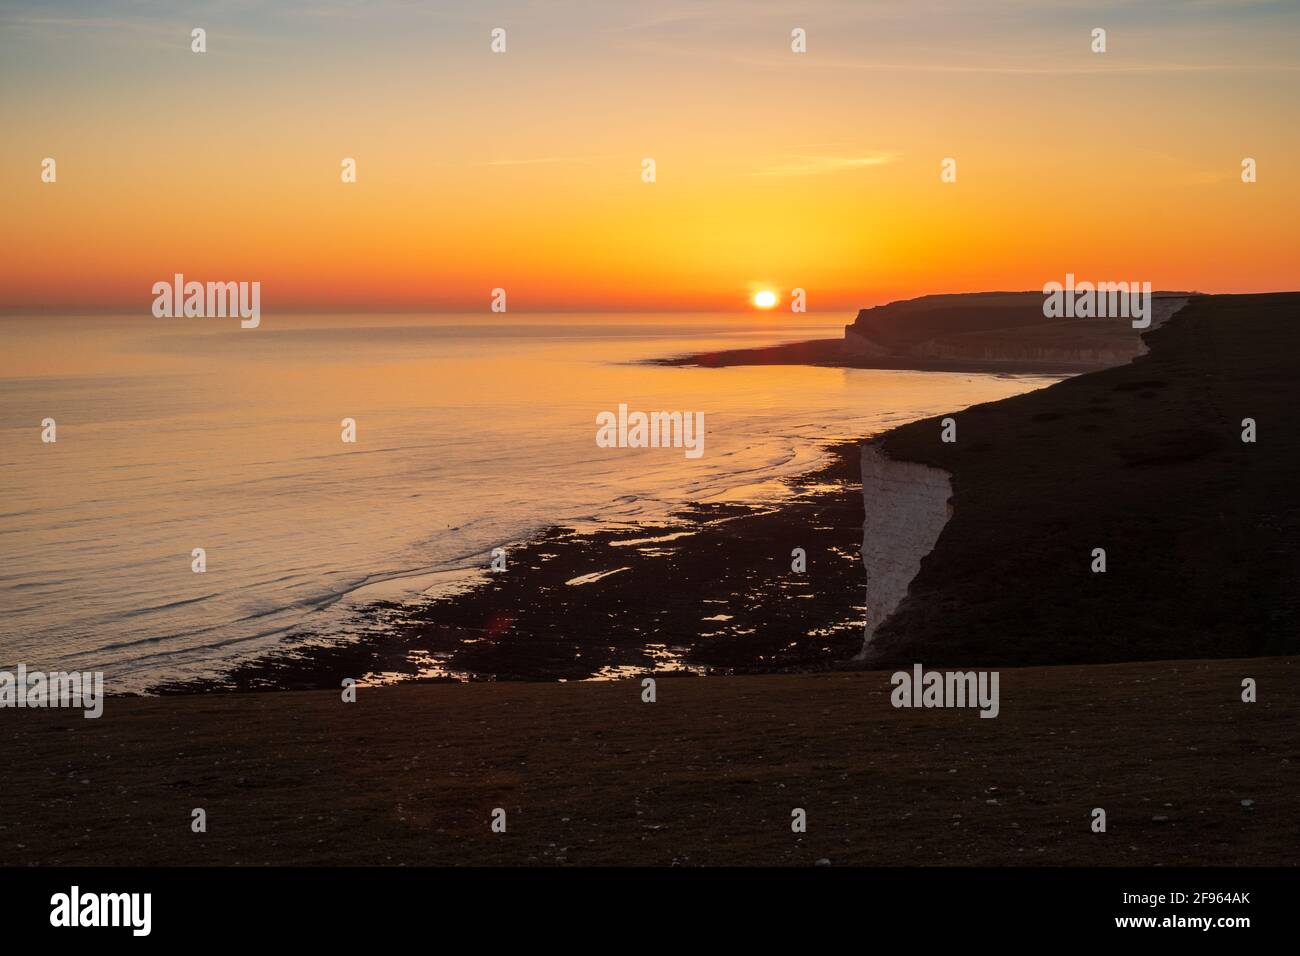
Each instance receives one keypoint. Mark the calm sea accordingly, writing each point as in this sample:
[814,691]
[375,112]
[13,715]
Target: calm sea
[472,431]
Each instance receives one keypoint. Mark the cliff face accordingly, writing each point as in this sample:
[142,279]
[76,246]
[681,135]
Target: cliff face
[966,332]
[906,509]
[899,327]
[966,348]
[996,328]
[1149,461]
[908,503]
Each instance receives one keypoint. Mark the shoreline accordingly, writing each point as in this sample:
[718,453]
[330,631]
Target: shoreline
[829,353]
[711,591]
[708,591]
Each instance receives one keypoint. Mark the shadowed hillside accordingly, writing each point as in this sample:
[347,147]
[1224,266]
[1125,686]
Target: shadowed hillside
[979,331]
[899,326]
[1201,530]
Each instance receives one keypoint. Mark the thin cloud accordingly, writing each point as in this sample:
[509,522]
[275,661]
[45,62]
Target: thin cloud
[1048,63]
[821,165]
[538,161]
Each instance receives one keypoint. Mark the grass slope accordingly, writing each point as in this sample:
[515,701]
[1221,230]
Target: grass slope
[1201,531]
[709,774]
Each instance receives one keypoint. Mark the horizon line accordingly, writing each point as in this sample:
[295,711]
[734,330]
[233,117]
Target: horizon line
[299,309]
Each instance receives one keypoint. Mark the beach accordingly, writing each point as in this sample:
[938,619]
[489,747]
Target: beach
[711,590]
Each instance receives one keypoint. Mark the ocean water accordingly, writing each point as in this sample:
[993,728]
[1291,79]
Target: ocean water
[472,432]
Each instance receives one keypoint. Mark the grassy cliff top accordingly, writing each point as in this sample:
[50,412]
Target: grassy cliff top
[1146,460]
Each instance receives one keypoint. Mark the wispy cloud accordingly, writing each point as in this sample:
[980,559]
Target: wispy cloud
[821,165]
[164,32]
[540,160]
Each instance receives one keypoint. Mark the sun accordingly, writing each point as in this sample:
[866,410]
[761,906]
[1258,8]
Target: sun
[765,299]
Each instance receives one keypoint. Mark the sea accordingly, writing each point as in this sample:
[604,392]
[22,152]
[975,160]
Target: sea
[471,432]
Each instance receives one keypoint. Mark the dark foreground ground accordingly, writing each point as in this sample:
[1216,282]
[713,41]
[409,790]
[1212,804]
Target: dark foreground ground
[709,774]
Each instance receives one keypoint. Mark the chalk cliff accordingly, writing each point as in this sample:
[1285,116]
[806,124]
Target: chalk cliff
[907,503]
[907,506]
[995,328]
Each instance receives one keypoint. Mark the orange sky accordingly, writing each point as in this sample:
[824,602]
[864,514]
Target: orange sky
[522,170]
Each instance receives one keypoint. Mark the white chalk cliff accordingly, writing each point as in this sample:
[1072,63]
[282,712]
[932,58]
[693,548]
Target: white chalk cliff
[907,505]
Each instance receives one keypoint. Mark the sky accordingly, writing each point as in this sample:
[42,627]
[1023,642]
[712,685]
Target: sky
[522,170]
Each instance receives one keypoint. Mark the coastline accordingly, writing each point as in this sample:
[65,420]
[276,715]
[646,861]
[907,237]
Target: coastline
[830,353]
[724,600]
[994,333]
[709,591]
[589,773]
[1144,460]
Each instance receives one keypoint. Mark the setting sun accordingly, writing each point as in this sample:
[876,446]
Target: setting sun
[765,299]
